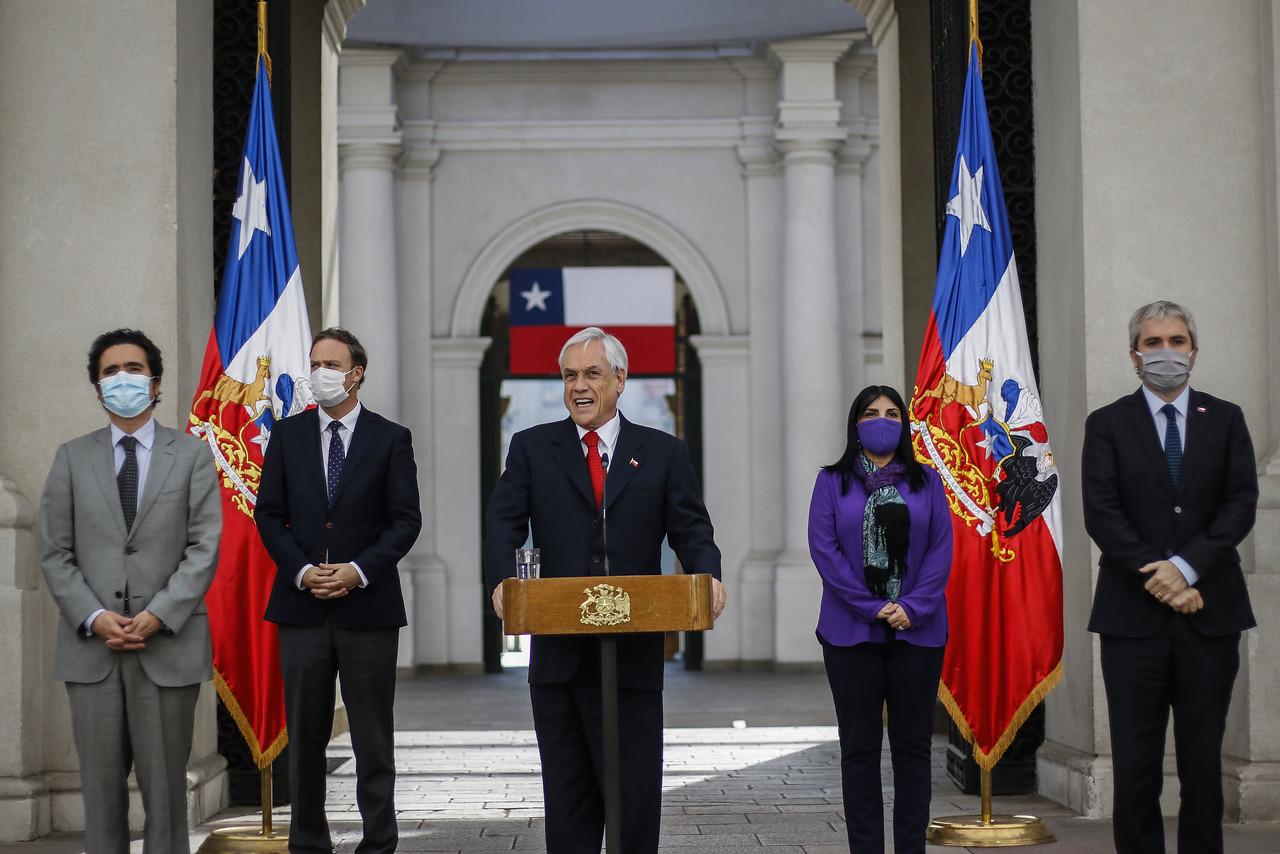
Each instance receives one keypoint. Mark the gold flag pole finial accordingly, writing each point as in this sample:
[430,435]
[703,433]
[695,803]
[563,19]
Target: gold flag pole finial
[973,30]
[262,36]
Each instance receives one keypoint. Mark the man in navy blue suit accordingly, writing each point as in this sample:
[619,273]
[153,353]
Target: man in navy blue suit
[1170,490]
[337,510]
[555,480]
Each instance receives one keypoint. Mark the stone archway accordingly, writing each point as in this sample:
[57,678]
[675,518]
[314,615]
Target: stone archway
[663,238]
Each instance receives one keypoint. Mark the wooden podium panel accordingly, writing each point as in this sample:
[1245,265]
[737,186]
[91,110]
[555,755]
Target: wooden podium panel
[606,604]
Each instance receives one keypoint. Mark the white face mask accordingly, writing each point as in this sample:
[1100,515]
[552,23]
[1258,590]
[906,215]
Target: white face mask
[1165,370]
[329,386]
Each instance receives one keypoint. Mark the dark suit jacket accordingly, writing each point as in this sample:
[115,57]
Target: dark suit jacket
[651,492]
[374,520]
[1135,516]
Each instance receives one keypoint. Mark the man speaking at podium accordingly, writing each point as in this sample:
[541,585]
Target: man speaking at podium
[555,480]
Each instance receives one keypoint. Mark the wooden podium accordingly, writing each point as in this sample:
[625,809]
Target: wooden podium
[606,606]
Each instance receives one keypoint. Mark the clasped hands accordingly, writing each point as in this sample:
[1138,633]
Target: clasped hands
[124,633]
[1170,587]
[330,580]
[895,615]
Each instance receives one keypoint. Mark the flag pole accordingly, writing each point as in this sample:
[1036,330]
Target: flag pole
[263,839]
[986,830]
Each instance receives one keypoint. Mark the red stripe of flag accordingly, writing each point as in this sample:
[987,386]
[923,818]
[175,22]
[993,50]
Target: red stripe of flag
[535,350]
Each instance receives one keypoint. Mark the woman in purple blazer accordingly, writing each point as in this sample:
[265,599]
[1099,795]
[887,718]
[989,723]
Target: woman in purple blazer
[880,535]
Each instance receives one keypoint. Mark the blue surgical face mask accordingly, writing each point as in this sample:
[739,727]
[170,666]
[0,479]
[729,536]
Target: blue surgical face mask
[880,436]
[124,394]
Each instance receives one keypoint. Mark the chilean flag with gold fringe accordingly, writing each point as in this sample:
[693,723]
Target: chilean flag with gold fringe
[256,370]
[636,304]
[977,419]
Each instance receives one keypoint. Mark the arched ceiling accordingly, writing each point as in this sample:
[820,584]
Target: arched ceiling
[591,25]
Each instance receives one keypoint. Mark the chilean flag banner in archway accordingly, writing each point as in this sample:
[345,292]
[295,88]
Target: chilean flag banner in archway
[976,418]
[256,369]
[636,304]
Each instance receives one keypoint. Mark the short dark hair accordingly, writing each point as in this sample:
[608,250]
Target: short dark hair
[359,358]
[853,445]
[107,340]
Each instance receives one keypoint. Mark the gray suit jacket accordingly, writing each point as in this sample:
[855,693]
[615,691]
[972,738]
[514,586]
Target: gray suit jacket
[164,565]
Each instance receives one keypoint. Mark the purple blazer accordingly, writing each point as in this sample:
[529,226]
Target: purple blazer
[849,609]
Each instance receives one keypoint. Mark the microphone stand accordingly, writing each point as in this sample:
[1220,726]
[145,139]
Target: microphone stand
[609,702]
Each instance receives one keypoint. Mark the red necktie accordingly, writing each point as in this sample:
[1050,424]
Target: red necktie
[593,464]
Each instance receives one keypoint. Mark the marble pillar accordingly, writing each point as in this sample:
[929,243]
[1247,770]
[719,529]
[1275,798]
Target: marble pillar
[724,360]
[369,144]
[761,171]
[456,388]
[813,409]
[422,570]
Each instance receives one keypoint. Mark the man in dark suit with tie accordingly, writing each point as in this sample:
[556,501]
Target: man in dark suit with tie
[1170,490]
[337,510]
[555,480]
[129,527]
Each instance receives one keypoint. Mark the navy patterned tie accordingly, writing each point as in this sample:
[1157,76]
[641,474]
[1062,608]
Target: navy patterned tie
[1172,442]
[337,454]
[127,481]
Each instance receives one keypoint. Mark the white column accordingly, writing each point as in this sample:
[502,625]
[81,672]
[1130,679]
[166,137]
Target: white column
[422,571]
[369,143]
[814,411]
[455,610]
[1252,764]
[754,595]
[24,795]
[857,229]
[726,485]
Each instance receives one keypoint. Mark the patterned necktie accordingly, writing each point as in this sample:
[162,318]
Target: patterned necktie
[593,464]
[127,481]
[1172,442]
[337,454]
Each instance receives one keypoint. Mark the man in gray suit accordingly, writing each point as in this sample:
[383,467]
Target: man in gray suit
[129,528]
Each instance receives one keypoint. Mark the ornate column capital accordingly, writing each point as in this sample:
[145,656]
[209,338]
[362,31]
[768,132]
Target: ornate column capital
[459,353]
[720,350]
[418,160]
[810,149]
[376,155]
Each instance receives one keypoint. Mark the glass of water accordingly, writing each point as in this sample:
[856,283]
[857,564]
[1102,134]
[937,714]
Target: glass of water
[528,563]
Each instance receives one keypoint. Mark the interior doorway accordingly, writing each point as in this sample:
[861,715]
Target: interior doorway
[669,401]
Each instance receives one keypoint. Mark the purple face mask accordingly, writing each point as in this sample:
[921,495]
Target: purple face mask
[880,436]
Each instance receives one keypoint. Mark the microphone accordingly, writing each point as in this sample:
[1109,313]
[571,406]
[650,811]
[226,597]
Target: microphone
[604,511]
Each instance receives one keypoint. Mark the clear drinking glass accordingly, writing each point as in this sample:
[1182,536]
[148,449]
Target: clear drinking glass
[528,563]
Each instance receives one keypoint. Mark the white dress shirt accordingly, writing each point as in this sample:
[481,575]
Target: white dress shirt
[607,436]
[146,436]
[346,429]
[1180,404]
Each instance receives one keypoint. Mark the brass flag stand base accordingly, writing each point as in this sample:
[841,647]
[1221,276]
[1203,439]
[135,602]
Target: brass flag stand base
[987,830]
[250,840]
[245,840]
